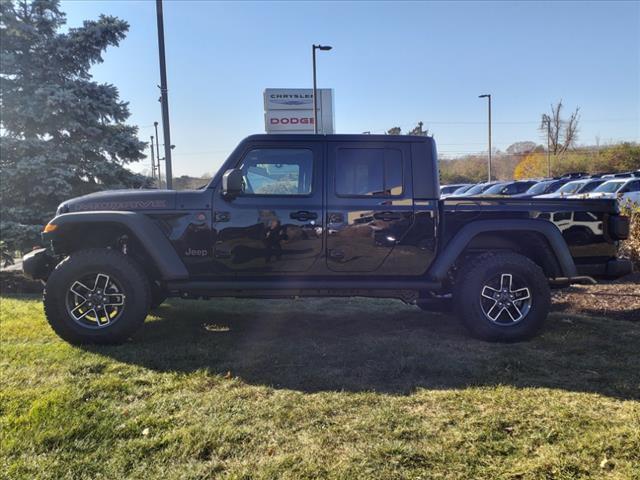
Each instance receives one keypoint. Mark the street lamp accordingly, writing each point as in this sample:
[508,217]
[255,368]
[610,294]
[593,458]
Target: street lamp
[488,96]
[153,161]
[315,90]
[155,124]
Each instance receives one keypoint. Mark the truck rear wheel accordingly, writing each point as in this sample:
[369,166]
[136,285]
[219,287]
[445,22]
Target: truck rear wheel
[96,296]
[502,297]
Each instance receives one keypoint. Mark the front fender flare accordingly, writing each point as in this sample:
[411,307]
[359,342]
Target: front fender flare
[155,243]
[447,257]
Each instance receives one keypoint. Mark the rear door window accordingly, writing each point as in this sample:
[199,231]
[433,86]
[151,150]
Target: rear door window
[365,172]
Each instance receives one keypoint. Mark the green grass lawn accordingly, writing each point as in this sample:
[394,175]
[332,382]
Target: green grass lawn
[318,389]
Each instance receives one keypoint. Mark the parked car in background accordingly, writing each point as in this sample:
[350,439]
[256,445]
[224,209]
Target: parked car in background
[542,187]
[510,188]
[477,189]
[446,190]
[449,189]
[624,189]
[609,176]
[463,189]
[575,187]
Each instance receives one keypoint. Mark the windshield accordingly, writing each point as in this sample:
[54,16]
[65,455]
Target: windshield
[609,187]
[495,189]
[462,189]
[445,189]
[538,188]
[590,186]
[475,189]
[571,187]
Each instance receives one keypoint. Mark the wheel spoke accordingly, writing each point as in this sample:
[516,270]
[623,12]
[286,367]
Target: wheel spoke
[506,280]
[508,309]
[489,292]
[78,309]
[80,289]
[114,299]
[102,281]
[494,317]
[102,316]
[521,294]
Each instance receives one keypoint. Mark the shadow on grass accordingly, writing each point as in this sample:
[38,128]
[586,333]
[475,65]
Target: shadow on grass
[378,345]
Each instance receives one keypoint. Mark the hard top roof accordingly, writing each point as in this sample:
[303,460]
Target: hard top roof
[280,137]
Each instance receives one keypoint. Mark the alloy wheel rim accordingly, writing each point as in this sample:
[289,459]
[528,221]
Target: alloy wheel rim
[505,300]
[95,301]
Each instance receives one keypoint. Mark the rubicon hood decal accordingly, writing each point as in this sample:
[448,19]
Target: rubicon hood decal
[129,200]
[121,205]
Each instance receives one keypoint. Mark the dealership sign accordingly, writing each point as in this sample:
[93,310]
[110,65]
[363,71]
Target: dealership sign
[290,110]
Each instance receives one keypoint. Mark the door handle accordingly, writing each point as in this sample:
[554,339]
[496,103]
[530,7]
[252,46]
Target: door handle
[303,215]
[387,216]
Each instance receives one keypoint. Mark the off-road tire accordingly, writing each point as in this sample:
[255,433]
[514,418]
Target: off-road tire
[127,273]
[477,273]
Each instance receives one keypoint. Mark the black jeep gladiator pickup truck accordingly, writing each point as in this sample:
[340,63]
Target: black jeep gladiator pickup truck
[323,216]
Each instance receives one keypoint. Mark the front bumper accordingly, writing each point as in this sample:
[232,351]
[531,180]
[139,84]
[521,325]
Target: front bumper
[38,264]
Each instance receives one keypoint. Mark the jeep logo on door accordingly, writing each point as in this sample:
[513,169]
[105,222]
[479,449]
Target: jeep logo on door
[192,252]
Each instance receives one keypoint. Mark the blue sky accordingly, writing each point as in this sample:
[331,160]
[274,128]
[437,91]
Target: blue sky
[392,64]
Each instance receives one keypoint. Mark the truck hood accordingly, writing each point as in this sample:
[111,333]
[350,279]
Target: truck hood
[128,200]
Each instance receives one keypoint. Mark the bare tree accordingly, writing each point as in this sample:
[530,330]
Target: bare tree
[417,130]
[562,134]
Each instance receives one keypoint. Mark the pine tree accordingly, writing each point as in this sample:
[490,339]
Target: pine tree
[62,134]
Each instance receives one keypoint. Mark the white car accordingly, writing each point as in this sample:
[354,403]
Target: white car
[575,187]
[624,189]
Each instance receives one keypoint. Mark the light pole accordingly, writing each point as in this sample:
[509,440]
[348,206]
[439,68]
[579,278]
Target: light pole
[164,96]
[488,96]
[315,89]
[155,124]
[153,161]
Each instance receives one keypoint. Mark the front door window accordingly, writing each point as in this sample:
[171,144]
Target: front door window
[278,172]
[276,224]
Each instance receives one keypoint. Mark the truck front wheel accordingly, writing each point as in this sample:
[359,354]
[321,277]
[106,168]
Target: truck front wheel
[502,297]
[96,296]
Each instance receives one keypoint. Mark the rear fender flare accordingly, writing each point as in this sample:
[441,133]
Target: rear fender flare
[450,253]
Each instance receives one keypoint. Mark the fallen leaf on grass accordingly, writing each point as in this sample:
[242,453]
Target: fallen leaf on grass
[606,464]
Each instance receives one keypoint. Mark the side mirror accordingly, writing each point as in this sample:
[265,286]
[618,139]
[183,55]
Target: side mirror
[232,183]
